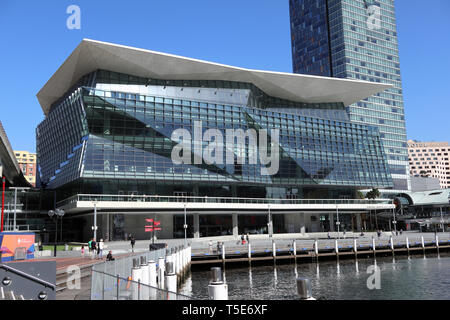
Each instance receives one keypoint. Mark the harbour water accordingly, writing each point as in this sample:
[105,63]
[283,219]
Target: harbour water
[401,278]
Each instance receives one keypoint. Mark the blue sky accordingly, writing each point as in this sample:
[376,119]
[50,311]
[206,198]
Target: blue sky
[250,33]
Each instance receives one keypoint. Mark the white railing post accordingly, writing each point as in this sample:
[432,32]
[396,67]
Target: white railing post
[274,250]
[295,250]
[161,267]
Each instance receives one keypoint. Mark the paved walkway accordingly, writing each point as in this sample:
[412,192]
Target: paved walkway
[123,248]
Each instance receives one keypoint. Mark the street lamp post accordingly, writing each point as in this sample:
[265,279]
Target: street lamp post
[95,220]
[270,223]
[58,213]
[338,223]
[185,226]
[394,222]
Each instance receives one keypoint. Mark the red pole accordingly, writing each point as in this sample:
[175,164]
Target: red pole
[3,201]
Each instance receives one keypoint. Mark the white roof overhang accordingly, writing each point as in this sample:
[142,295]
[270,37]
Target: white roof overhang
[91,55]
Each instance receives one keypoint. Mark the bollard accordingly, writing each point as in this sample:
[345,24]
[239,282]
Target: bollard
[185,253]
[183,262]
[223,253]
[437,243]
[189,255]
[274,250]
[175,261]
[136,276]
[145,279]
[152,274]
[374,247]
[161,268]
[217,289]
[171,278]
[295,251]
[152,279]
[407,245]
[423,245]
[180,259]
[304,289]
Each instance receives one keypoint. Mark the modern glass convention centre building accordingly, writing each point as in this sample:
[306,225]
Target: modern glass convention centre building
[107,142]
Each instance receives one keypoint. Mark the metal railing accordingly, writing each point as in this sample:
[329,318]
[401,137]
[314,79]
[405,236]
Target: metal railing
[120,288]
[27,276]
[189,199]
[123,266]
[110,281]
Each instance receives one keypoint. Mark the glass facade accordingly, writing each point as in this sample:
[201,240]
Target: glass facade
[357,39]
[112,134]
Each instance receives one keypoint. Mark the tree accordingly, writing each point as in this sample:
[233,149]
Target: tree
[424,174]
[373,194]
[360,195]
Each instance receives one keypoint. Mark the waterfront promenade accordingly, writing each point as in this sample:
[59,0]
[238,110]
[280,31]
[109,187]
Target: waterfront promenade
[261,245]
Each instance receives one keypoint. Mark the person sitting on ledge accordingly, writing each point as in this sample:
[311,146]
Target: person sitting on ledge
[109,257]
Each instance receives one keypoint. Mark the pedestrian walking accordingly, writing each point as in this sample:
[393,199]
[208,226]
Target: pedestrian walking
[133,242]
[210,246]
[401,231]
[219,247]
[242,239]
[100,249]
[94,249]
[90,246]
[248,238]
[82,251]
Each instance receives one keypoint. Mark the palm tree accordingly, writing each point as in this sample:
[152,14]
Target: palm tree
[373,194]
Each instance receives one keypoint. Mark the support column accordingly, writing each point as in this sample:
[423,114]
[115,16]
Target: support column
[359,222]
[196,225]
[302,224]
[235,224]
[108,235]
[332,223]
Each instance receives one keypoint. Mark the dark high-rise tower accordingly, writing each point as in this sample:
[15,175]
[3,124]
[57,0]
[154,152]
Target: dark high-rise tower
[357,39]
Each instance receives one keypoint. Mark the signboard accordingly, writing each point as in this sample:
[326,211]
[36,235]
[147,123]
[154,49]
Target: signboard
[153,225]
[10,241]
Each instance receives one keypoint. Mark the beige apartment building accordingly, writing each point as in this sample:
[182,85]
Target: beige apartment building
[430,159]
[27,163]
